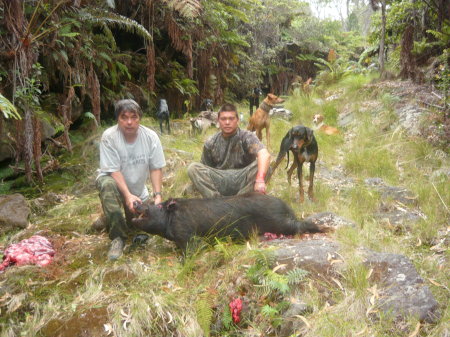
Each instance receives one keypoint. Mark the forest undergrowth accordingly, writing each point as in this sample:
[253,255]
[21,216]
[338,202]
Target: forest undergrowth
[154,291]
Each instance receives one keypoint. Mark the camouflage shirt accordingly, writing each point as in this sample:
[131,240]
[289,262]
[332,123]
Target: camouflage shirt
[235,152]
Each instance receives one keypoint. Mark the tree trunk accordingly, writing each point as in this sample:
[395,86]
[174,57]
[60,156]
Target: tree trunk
[94,94]
[17,25]
[37,153]
[407,61]
[383,37]
[66,112]
[28,143]
[151,58]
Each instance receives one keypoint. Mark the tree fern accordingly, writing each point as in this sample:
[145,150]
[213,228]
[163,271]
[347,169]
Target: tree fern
[186,8]
[8,109]
[111,19]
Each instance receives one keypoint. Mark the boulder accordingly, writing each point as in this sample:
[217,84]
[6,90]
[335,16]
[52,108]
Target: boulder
[14,212]
[402,292]
[281,112]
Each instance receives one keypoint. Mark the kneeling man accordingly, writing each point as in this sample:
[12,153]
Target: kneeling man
[234,161]
[129,153]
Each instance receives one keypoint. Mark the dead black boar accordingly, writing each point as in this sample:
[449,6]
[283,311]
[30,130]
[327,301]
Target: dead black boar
[179,220]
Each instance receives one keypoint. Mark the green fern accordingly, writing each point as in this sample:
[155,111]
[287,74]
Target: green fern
[296,276]
[269,312]
[111,19]
[203,308]
[187,9]
[8,109]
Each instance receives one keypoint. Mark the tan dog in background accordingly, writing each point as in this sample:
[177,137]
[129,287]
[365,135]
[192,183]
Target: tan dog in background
[261,119]
[320,126]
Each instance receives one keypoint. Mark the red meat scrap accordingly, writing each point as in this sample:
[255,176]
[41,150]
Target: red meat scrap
[236,308]
[35,250]
[272,236]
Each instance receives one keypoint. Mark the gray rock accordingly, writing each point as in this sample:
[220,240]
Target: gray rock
[14,212]
[402,292]
[398,216]
[281,112]
[345,119]
[330,220]
[394,193]
[314,256]
[291,323]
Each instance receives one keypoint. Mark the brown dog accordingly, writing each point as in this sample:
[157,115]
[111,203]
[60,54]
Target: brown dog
[261,119]
[320,126]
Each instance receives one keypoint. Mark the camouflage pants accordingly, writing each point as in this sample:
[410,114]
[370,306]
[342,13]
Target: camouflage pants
[113,205]
[211,182]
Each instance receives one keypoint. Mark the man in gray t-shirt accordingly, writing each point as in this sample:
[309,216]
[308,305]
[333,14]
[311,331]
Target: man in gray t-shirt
[129,154]
[234,161]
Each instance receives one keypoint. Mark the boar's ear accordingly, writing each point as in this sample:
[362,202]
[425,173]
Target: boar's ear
[171,205]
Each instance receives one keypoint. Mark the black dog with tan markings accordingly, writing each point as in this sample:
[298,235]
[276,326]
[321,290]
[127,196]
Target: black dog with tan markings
[239,216]
[301,142]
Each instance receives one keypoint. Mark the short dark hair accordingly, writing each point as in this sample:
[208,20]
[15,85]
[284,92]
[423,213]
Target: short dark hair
[228,107]
[127,105]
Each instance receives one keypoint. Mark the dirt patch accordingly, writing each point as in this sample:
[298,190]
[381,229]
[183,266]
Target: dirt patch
[87,323]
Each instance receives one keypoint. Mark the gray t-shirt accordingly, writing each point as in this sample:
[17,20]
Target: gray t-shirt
[133,160]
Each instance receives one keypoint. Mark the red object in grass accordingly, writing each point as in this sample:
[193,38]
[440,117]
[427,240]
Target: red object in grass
[35,250]
[271,236]
[236,308]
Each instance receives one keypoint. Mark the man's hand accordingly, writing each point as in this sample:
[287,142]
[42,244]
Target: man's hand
[158,199]
[260,186]
[130,200]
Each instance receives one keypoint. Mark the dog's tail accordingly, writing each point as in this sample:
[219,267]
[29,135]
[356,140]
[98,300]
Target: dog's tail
[279,159]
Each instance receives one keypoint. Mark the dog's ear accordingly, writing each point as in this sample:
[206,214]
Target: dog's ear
[309,134]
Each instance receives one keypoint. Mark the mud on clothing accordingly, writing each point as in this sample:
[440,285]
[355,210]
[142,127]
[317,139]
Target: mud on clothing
[228,165]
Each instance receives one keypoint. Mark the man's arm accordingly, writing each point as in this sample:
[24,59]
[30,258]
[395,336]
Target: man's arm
[123,188]
[263,158]
[156,180]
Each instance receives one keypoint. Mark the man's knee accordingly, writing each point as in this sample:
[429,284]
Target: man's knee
[193,170]
[106,184]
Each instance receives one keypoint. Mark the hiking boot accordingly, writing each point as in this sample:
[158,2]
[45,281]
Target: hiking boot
[140,239]
[99,224]
[116,249]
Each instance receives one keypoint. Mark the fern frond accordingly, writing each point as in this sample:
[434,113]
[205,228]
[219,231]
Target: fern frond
[186,8]
[204,312]
[8,109]
[296,276]
[269,311]
[115,20]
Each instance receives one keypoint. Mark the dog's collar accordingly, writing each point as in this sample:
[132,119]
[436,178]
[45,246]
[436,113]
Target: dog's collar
[265,106]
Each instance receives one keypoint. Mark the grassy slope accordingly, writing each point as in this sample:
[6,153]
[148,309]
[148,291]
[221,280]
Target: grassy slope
[150,292]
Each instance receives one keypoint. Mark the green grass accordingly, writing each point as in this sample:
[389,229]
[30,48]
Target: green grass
[155,291]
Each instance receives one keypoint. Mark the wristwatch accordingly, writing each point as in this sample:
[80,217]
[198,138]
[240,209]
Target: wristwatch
[156,193]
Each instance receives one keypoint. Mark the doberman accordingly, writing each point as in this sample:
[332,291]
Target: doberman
[301,142]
